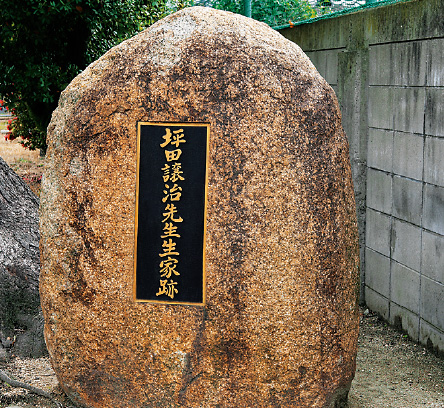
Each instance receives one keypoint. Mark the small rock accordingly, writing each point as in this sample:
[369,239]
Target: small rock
[8,343]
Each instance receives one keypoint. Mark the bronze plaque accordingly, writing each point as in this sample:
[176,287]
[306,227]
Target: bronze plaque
[172,167]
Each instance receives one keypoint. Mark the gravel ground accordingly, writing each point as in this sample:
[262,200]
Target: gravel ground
[392,372]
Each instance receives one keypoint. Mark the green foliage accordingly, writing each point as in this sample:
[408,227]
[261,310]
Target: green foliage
[272,12]
[44,44]
[175,5]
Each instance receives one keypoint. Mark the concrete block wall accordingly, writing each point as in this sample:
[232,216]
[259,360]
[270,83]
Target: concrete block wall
[386,65]
[405,191]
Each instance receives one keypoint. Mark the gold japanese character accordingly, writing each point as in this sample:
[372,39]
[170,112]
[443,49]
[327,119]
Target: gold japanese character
[178,137]
[172,155]
[167,137]
[167,288]
[169,230]
[169,248]
[168,267]
[173,193]
[175,139]
[177,171]
[166,172]
[171,209]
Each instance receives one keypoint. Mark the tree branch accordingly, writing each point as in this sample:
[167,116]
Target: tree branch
[18,384]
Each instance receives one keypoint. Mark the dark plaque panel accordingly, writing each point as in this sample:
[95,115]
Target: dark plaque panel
[170,212]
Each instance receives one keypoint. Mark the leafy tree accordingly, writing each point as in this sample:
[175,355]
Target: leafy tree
[272,12]
[44,44]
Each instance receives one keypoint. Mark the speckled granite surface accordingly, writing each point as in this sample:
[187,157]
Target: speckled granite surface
[280,324]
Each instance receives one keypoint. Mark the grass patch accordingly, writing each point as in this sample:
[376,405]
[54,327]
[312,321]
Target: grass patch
[11,151]
[23,160]
[26,163]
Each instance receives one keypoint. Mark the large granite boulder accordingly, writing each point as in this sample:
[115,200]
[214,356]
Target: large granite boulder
[21,322]
[280,321]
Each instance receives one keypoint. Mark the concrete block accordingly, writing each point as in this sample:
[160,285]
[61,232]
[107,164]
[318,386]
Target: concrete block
[405,287]
[380,57]
[326,62]
[434,161]
[327,35]
[406,244]
[378,229]
[379,191]
[380,149]
[432,300]
[432,264]
[434,112]
[433,216]
[405,21]
[408,109]
[331,66]
[407,199]
[377,272]
[380,107]
[404,319]
[315,58]
[377,303]
[408,152]
[435,62]
[312,55]
[408,62]
[431,336]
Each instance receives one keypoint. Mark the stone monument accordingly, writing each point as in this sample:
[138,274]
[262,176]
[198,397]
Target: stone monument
[198,228]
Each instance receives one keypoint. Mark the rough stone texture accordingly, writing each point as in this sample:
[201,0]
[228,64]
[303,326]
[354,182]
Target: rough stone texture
[20,312]
[280,325]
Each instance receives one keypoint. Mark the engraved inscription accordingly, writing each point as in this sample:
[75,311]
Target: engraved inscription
[170,212]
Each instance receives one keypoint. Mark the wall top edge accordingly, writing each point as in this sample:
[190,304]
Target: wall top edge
[383,22]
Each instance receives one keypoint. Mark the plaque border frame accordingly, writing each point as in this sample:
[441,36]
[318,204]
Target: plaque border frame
[136,216]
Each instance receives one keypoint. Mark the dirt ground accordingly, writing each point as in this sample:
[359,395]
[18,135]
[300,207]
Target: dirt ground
[392,371]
